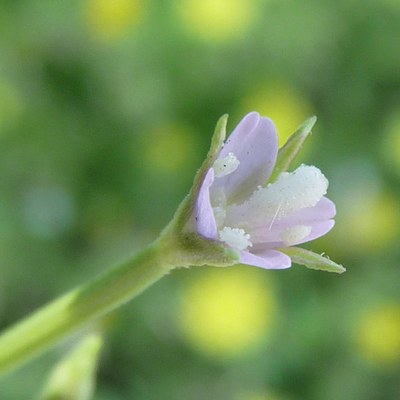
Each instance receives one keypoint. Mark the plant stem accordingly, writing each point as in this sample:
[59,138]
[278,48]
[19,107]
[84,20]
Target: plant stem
[70,312]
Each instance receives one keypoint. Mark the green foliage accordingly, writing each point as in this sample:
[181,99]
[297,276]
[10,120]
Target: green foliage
[102,133]
[73,378]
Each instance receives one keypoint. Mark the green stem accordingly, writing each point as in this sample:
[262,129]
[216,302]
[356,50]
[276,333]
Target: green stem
[68,313]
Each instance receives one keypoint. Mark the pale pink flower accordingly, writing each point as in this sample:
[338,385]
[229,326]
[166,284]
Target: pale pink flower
[236,205]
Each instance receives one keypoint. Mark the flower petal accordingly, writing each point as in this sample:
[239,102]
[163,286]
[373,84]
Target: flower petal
[247,124]
[268,259]
[318,229]
[324,210]
[204,215]
[254,143]
[272,239]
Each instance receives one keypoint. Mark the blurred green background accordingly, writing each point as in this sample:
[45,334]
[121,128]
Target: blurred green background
[106,111]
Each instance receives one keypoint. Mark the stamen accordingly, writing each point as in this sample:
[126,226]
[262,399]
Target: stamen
[235,237]
[225,166]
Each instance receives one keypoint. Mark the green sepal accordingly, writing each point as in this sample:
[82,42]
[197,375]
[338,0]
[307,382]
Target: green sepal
[218,139]
[312,260]
[290,149]
[73,378]
[181,231]
[217,142]
[200,251]
[185,210]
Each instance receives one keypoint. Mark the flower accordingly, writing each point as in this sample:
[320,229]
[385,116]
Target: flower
[240,206]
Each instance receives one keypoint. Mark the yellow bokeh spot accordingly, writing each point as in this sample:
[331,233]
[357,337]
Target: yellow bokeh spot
[378,334]
[391,143]
[225,312]
[217,20]
[372,224]
[111,20]
[280,102]
[169,148]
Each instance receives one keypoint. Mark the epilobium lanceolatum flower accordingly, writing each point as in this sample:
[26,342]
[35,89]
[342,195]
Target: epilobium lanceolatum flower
[248,202]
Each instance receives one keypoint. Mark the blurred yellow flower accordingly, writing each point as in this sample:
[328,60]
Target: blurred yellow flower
[217,20]
[282,103]
[169,148]
[372,224]
[225,312]
[111,20]
[378,334]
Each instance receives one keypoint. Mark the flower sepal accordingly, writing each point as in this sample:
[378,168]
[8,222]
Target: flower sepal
[199,251]
[312,260]
[288,152]
[183,216]
[195,249]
